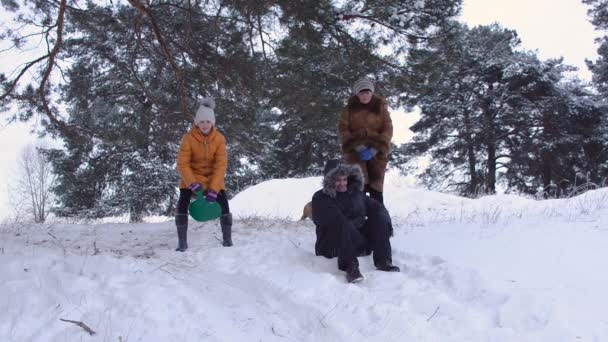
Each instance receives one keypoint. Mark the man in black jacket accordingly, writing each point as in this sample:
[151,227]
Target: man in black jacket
[348,222]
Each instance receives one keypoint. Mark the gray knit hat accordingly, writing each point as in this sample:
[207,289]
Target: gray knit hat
[362,84]
[205,111]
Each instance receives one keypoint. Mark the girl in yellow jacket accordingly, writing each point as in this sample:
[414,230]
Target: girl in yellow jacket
[201,163]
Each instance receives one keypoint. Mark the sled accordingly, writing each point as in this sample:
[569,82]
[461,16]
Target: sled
[202,211]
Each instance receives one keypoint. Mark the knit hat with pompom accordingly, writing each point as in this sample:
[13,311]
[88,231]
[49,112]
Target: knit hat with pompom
[205,111]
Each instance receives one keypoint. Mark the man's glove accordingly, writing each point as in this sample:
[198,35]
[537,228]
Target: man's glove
[366,154]
[195,187]
[211,196]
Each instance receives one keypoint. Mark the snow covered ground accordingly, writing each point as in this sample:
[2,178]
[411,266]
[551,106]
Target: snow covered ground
[500,268]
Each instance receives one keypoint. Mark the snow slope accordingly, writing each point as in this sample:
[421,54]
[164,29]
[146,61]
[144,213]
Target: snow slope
[500,268]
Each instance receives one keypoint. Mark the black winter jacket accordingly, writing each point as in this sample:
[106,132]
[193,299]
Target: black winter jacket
[346,210]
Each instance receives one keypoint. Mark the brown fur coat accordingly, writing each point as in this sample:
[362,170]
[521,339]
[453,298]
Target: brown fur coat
[368,125]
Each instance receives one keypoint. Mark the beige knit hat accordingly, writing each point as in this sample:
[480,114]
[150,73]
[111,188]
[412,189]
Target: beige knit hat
[205,111]
[362,84]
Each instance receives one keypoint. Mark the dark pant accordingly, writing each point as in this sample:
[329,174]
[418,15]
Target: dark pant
[372,236]
[376,232]
[342,241]
[186,194]
[350,242]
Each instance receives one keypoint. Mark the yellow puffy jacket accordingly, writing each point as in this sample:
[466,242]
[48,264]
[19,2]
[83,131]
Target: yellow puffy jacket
[202,159]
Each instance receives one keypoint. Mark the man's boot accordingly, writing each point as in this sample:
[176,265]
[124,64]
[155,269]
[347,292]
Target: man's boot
[226,224]
[353,275]
[387,266]
[181,222]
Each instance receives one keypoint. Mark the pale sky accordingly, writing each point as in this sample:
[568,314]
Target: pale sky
[553,28]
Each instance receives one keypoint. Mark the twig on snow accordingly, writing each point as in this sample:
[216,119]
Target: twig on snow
[293,243]
[161,268]
[276,333]
[433,315]
[80,324]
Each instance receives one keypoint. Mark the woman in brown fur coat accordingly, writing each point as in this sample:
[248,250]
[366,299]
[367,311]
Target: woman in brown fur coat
[365,130]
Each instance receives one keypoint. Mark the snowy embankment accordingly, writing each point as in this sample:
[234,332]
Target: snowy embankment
[500,268]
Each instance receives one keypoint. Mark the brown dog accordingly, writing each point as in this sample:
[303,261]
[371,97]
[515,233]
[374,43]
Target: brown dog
[307,211]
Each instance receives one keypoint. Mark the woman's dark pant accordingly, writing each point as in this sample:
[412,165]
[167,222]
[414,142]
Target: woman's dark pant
[184,201]
[377,195]
[181,218]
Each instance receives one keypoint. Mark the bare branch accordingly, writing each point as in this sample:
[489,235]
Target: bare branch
[13,85]
[351,16]
[41,98]
[80,324]
[145,11]
[51,63]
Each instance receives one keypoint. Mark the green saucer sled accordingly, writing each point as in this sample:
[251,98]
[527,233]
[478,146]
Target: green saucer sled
[202,211]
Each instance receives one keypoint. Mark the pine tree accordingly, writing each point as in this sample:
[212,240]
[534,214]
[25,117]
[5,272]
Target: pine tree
[483,102]
[279,71]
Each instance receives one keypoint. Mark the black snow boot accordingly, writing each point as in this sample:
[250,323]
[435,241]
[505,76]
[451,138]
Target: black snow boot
[181,222]
[353,275]
[226,224]
[387,266]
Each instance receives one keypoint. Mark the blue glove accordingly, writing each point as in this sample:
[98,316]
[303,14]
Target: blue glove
[211,196]
[195,187]
[366,154]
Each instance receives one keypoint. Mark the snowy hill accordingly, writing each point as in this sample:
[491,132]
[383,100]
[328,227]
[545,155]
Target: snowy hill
[500,268]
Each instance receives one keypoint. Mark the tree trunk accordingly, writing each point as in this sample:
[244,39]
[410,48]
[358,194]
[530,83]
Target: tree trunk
[491,179]
[490,142]
[468,137]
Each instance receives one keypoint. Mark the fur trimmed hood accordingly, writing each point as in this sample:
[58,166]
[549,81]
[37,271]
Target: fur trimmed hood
[333,169]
